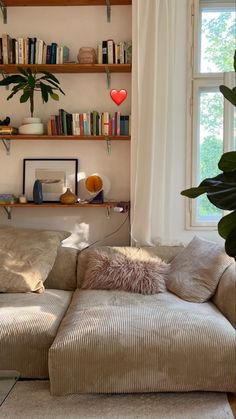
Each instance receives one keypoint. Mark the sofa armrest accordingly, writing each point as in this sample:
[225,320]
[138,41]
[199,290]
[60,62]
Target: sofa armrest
[225,295]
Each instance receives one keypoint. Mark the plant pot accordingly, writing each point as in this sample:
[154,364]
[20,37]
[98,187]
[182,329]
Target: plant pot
[31,126]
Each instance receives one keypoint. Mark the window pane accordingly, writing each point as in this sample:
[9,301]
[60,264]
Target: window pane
[217,38]
[210,147]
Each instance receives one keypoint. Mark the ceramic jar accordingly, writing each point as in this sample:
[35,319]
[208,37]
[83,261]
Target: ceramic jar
[68,197]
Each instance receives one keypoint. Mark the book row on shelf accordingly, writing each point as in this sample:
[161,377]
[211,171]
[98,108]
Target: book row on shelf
[31,51]
[36,51]
[89,123]
[109,52]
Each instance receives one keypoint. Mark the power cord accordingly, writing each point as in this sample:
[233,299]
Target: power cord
[108,235]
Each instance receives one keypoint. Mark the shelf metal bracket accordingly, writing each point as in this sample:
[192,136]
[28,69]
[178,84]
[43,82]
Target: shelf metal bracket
[7,144]
[108,4]
[108,212]
[8,211]
[3,8]
[108,75]
[108,141]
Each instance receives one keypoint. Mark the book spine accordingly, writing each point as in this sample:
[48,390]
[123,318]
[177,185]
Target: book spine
[110,52]
[66,54]
[64,122]
[129,124]
[21,50]
[48,54]
[1,52]
[53,53]
[49,127]
[81,124]
[122,125]
[75,124]
[105,123]
[104,52]
[113,126]
[85,123]
[40,51]
[122,53]
[118,124]
[69,123]
[13,51]
[99,52]
[5,48]
[94,122]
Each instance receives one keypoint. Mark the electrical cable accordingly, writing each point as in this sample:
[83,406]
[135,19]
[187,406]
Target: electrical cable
[108,235]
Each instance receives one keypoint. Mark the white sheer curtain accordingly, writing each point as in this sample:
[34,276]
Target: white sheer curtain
[159,36]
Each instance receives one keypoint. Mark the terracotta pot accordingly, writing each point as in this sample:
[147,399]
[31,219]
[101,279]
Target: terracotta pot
[68,197]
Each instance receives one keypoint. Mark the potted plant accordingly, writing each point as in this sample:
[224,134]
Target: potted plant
[221,189]
[27,83]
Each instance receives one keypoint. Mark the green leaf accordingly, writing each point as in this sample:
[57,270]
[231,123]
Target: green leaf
[227,224]
[229,94]
[50,76]
[194,192]
[54,96]
[44,92]
[12,79]
[25,96]
[228,161]
[29,71]
[23,71]
[53,83]
[31,81]
[230,244]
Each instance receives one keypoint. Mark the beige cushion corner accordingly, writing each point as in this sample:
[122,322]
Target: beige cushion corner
[63,273]
[26,257]
[225,295]
[196,271]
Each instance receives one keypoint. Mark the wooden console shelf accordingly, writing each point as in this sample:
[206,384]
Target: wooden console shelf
[108,205]
[68,68]
[15,3]
[58,205]
[18,137]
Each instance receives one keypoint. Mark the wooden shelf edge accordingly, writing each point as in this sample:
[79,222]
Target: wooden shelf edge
[29,3]
[68,68]
[65,137]
[59,205]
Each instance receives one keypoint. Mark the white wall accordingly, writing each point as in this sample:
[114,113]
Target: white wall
[74,27]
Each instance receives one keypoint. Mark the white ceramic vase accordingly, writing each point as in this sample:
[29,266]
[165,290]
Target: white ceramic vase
[31,126]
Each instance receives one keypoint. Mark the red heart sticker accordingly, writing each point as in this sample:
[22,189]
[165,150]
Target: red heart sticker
[118,95]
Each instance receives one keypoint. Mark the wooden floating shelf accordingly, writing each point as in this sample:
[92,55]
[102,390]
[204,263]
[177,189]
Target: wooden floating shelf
[65,137]
[58,205]
[68,68]
[14,3]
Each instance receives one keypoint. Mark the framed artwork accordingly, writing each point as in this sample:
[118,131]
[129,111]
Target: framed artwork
[56,175]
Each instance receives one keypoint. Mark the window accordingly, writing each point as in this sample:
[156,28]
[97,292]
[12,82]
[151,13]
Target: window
[212,120]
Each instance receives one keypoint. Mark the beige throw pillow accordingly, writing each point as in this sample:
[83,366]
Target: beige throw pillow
[26,257]
[196,271]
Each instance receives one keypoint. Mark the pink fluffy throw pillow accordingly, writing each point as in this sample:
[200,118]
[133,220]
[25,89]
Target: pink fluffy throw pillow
[124,272]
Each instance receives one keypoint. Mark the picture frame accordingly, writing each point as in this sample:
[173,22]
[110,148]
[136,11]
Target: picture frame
[56,176]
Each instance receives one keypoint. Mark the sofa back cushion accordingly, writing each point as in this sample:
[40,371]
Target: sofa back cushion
[225,295]
[196,271]
[166,253]
[63,273]
[26,257]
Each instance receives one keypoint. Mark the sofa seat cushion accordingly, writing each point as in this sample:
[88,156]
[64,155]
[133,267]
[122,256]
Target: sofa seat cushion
[114,342]
[28,326]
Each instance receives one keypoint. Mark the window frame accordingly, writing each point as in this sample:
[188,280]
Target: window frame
[195,81]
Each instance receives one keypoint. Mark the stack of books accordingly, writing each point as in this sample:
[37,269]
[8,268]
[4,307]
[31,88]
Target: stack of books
[109,52]
[89,123]
[8,130]
[31,51]
[7,199]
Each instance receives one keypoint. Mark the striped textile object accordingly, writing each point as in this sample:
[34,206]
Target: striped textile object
[119,342]
[28,326]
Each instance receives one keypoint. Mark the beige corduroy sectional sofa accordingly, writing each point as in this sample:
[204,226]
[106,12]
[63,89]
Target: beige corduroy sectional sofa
[112,341]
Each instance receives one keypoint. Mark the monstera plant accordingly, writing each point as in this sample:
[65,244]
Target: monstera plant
[221,189]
